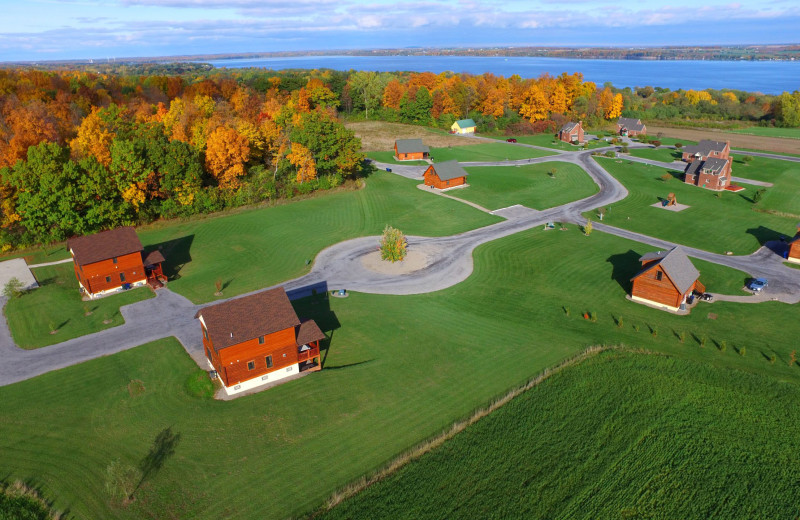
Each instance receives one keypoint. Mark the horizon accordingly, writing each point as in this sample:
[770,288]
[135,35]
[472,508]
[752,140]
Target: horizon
[70,30]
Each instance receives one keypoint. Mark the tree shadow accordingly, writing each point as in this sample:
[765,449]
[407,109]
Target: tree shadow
[163,448]
[313,302]
[774,240]
[350,365]
[226,284]
[624,267]
[176,255]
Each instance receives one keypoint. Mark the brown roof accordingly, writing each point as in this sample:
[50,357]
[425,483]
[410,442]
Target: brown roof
[104,245]
[308,332]
[243,319]
[154,257]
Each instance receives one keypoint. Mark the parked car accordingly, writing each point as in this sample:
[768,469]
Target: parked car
[757,284]
[511,140]
[707,297]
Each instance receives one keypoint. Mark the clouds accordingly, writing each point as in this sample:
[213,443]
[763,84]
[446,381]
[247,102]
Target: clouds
[49,29]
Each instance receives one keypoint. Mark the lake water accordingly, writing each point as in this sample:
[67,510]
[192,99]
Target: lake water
[769,77]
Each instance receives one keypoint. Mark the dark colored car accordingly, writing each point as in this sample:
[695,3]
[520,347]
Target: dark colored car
[757,284]
[511,140]
[707,297]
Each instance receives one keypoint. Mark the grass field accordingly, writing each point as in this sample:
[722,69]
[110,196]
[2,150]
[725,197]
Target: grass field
[712,223]
[785,196]
[530,185]
[754,142]
[621,435]
[788,133]
[390,381]
[548,141]
[388,157]
[657,154]
[256,248]
[485,152]
[57,305]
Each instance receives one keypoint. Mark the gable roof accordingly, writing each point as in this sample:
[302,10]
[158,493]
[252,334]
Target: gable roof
[243,319]
[715,165]
[570,126]
[154,257]
[101,246]
[705,147]
[449,170]
[411,146]
[308,332]
[465,123]
[631,124]
[676,264]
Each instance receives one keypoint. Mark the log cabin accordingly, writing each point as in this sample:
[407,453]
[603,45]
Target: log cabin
[111,261]
[410,150]
[794,248]
[463,126]
[630,127]
[258,340]
[445,175]
[571,132]
[666,279]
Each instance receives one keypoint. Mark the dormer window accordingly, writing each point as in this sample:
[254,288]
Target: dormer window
[114,260]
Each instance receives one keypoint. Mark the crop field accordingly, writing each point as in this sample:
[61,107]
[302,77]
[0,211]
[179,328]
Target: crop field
[379,393]
[752,142]
[786,133]
[56,306]
[621,435]
[379,136]
[713,222]
[257,248]
[486,152]
[496,187]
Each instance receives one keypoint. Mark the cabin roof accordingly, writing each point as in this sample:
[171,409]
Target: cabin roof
[411,146]
[101,246]
[308,332]
[569,126]
[243,319]
[154,257]
[631,124]
[676,264]
[705,147]
[449,170]
[715,165]
[465,123]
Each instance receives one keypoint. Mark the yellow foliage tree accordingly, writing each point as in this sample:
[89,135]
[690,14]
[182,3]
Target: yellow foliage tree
[696,96]
[93,139]
[301,158]
[558,101]
[226,153]
[534,104]
[495,102]
[730,96]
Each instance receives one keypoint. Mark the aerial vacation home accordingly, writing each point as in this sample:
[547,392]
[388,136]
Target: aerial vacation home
[410,150]
[445,175]
[112,261]
[705,149]
[629,127]
[709,164]
[258,340]
[666,280]
[571,132]
[793,255]
[463,126]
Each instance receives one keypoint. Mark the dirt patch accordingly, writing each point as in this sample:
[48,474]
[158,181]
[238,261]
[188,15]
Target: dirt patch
[755,142]
[417,258]
[379,136]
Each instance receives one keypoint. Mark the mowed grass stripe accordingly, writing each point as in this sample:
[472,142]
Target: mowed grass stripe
[486,152]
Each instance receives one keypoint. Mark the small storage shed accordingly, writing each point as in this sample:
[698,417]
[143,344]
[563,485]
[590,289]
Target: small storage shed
[463,126]
[445,175]
[666,279]
[410,150]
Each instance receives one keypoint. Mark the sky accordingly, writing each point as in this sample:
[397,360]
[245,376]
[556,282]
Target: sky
[38,30]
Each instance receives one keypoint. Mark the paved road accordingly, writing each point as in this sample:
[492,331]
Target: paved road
[341,266]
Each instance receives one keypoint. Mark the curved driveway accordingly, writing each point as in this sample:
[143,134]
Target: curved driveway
[340,266]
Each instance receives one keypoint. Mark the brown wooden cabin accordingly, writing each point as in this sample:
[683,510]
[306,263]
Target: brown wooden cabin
[667,278]
[794,248]
[111,260]
[705,149]
[630,127]
[258,340]
[410,150]
[571,132]
[712,173]
[445,175]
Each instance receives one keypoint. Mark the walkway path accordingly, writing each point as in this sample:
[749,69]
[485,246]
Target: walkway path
[341,267]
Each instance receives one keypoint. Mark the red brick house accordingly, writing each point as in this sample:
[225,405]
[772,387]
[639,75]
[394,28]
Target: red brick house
[666,279]
[571,132]
[410,150]
[705,149]
[630,127]
[794,248]
[111,261]
[257,340]
[711,173]
[445,175]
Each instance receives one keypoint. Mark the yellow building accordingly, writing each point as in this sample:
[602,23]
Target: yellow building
[463,126]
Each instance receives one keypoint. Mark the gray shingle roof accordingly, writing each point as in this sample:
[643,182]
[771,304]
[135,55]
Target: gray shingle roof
[705,147]
[714,165]
[677,266]
[569,127]
[411,146]
[449,170]
[631,124]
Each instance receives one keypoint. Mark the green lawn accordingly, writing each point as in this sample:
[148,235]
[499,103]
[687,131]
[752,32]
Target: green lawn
[530,185]
[57,305]
[391,380]
[657,154]
[789,133]
[714,223]
[621,435]
[251,249]
[548,141]
[784,197]
[388,157]
[485,152]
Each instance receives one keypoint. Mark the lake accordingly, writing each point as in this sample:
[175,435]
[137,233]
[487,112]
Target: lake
[769,77]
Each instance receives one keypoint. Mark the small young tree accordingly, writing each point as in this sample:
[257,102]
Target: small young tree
[13,288]
[656,143]
[747,159]
[218,286]
[601,212]
[792,358]
[666,177]
[758,195]
[678,145]
[587,228]
[552,173]
[393,245]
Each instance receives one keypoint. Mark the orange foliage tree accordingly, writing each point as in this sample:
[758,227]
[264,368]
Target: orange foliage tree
[227,151]
[301,158]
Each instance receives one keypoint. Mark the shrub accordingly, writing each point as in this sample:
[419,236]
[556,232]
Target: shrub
[666,177]
[611,153]
[656,143]
[742,351]
[723,345]
[593,317]
[619,322]
[792,358]
[393,245]
[747,159]
[13,288]
[587,228]
[654,332]
[682,336]
[758,195]
[678,145]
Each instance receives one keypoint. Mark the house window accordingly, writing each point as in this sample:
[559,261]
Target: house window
[269,361]
[251,365]
[659,275]
[205,333]
[108,279]
[114,259]
[208,355]
[261,340]
[122,277]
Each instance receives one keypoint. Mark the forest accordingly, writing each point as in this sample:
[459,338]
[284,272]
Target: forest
[83,150]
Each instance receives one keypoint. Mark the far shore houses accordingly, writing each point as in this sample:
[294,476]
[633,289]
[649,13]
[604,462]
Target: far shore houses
[445,175]
[666,280]
[709,164]
[258,340]
[571,132]
[410,150]
[113,260]
[630,127]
